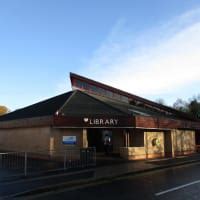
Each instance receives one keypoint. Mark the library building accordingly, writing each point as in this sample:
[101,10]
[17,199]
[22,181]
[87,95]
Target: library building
[93,114]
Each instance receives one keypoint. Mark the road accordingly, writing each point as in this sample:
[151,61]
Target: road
[10,188]
[180,183]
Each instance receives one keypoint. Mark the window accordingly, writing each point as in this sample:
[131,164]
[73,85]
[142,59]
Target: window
[109,94]
[138,138]
[124,99]
[79,84]
[116,96]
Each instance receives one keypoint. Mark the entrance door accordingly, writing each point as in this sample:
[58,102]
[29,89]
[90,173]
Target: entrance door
[197,140]
[197,137]
[168,143]
[96,138]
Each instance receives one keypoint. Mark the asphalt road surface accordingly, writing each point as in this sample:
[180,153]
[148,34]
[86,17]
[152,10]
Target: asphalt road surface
[180,183]
[10,188]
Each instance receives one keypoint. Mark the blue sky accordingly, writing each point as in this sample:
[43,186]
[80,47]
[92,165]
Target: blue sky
[149,48]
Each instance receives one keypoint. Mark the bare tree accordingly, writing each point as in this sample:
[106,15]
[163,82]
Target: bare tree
[181,105]
[192,106]
[160,101]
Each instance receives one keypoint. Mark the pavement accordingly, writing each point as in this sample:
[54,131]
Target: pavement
[135,167]
[111,169]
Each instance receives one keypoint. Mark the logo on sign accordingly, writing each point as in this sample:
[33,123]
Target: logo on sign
[85,120]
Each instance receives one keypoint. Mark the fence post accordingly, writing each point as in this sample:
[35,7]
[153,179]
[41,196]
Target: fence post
[65,159]
[25,163]
[95,157]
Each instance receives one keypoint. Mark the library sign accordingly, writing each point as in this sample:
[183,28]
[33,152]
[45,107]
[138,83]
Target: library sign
[93,121]
[101,121]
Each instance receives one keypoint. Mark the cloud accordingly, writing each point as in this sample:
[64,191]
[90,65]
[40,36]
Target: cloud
[157,61]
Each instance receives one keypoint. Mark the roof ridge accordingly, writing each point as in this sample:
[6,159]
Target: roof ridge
[67,101]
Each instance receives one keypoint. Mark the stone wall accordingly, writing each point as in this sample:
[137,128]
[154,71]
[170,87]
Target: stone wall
[183,142]
[25,139]
[47,138]
[57,137]
[154,144]
[71,151]
[133,153]
[153,147]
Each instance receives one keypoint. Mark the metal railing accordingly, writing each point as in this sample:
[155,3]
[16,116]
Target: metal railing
[12,163]
[198,148]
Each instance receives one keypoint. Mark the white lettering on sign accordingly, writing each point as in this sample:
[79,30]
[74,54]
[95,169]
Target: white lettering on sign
[105,122]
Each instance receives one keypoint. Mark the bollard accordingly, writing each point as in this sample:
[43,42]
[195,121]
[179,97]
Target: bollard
[25,163]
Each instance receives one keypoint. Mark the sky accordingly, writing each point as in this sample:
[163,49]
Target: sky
[150,48]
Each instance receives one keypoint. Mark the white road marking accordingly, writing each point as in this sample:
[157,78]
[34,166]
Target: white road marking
[177,188]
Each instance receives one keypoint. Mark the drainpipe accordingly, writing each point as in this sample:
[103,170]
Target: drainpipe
[146,145]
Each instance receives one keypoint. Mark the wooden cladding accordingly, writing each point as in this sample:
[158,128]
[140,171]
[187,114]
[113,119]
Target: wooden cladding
[151,122]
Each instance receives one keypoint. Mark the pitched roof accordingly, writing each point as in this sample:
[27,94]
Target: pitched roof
[43,108]
[74,103]
[78,103]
